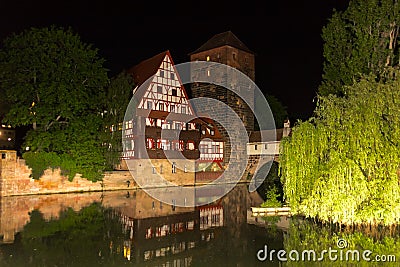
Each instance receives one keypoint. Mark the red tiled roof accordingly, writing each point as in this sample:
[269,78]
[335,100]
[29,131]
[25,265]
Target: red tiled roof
[147,68]
[255,136]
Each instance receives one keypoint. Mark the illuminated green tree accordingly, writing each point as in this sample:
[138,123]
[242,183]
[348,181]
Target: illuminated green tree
[343,164]
[55,83]
[364,39]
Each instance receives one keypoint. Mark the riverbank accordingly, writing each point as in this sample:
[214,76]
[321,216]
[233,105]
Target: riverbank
[15,180]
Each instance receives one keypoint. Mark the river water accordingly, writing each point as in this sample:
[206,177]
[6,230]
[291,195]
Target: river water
[131,228]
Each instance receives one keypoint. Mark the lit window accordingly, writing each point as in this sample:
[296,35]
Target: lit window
[173,167]
[150,143]
[190,145]
[208,58]
[208,73]
[212,132]
[266,146]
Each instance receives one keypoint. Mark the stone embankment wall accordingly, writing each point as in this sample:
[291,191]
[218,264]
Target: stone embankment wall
[15,179]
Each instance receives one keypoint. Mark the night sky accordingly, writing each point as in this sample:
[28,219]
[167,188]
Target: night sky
[288,62]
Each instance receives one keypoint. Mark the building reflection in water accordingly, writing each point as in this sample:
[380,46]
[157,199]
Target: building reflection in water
[153,231]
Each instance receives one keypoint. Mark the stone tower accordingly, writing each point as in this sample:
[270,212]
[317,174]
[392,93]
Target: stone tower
[226,48]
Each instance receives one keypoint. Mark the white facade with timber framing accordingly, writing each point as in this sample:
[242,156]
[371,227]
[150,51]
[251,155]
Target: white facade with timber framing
[163,106]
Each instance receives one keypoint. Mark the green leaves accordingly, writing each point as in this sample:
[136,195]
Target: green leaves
[56,83]
[342,165]
[362,40]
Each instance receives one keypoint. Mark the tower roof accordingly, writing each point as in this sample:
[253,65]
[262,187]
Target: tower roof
[222,39]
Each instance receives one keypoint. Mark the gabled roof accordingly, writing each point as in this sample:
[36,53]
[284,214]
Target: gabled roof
[222,39]
[147,68]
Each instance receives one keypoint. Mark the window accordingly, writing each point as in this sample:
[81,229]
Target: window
[190,145]
[234,56]
[208,73]
[161,73]
[183,110]
[208,58]
[212,132]
[172,108]
[173,167]
[172,76]
[3,155]
[255,147]
[161,106]
[149,105]
[266,146]
[159,89]
[150,143]
[174,92]
[185,168]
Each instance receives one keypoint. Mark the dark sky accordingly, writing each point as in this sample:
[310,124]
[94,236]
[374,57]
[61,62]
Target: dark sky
[286,35]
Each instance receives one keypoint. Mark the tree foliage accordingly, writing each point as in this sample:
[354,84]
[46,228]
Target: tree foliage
[364,39]
[55,83]
[342,165]
[279,111]
[119,93]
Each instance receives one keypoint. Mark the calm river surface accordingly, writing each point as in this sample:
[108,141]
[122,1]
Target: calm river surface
[130,228]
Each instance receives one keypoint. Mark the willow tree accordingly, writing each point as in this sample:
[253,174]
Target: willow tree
[343,164]
[363,39]
[55,84]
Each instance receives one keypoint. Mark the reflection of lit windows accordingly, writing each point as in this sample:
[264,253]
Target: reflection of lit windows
[173,167]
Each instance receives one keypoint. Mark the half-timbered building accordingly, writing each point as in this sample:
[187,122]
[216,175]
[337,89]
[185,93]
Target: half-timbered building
[165,125]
